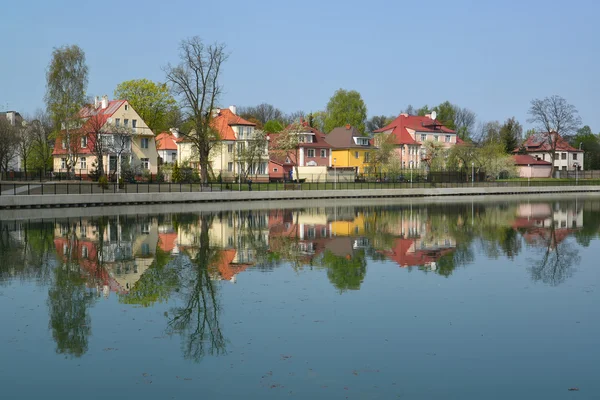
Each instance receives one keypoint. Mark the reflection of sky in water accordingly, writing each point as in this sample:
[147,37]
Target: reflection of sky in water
[467,302]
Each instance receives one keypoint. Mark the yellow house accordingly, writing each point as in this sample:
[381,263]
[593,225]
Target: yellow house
[124,136]
[349,148]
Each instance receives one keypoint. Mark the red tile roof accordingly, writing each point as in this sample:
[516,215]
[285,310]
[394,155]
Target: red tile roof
[542,142]
[525,159]
[165,141]
[224,121]
[398,128]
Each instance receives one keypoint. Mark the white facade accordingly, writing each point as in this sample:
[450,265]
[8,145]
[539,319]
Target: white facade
[563,160]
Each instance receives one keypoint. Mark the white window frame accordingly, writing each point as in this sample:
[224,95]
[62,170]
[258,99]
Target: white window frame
[323,153]
[82,163]
[310,153]
[84,142]
[63,163]
[145,163]
[145,143]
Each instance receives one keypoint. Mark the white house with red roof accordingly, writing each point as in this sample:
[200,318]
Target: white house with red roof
[542,144]
[410,132]
[236,134]
[166,147]
[110,121]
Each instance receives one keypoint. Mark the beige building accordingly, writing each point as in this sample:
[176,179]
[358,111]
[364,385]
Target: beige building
[124,135]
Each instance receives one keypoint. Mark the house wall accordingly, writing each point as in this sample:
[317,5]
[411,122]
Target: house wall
[317,159]
[535,171]
[167,156]
[572,160]
[347,158]
[221,157]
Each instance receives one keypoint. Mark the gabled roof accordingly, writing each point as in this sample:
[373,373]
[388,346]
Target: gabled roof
[224,121]
[525,159]
[342,137]
[320,140]
[542,142]
[165,141]
[398,127]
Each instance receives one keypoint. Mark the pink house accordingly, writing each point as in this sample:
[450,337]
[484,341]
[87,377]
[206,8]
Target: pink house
[532,167]
[410,132]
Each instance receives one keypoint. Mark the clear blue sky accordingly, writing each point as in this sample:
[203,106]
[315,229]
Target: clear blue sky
[492,57]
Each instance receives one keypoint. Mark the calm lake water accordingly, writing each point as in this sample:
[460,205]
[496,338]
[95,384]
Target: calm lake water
[412,301]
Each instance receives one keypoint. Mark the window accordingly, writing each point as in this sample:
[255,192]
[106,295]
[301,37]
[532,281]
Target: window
[311,233]
[145,249]
[117,122]
[323,153]
[145,163]
[564,168]
[423,138]
[84,252]
[84,142]
[403,150]
[64,144]
[356,154]
[311,153]
[230,148]
[125,122]
[173,157]
[145,142]
[230,166]
[287,160]
[240,147]
[323,232]
[126,107]
[82,163]
[556,156]
[564,156]
[447,138]
[262,169]
[574,156]
[241,132]
[63,163]
[134,124]
[366,157]
[436,138]
[275,169]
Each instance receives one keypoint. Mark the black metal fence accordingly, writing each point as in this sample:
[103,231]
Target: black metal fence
[364,182]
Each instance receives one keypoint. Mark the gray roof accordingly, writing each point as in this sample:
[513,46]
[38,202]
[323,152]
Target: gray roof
[342,137]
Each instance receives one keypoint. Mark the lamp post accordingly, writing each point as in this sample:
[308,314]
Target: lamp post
[472,174]
[334,174]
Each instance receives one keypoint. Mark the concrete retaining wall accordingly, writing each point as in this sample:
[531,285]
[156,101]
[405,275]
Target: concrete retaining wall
[74,200]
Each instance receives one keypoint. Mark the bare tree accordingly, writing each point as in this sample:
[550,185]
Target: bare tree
[195,80]
[253,153]
[464,121]
[263,113]
[377,122]
[555,118]
[294,117]
[8,143]
[66,83]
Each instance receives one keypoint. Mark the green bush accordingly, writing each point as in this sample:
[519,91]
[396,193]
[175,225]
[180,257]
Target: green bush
[103,182]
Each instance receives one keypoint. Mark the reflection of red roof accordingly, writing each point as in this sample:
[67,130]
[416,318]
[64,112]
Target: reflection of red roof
[525,159]
[167,241]
[543,236]
[401,256]
[398,128]
[165,141]
[227,270]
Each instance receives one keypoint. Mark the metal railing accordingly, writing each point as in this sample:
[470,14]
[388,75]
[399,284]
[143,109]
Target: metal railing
[309,182]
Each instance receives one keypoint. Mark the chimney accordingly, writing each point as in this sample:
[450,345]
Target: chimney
[174,132]
[215,112]
[96,102]
[104,102]
[428,116]
[404,114]
[348,127]
[233,109]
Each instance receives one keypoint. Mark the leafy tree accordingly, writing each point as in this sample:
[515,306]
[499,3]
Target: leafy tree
[464,122]
[40,156]
[9,141]
[176,176]
[377,122]
[553,115]
[589,143]
[286,144]
[421,112]
[66,84]
[317,120]
[195,80]
[273,126]
[529,133]
[410,110]
[382,155]
[345,273]
[446,114]
[346,107]
[489,132]
[510,134]
[151,100]
[435,155]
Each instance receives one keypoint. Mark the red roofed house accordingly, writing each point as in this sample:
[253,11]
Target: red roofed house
[410,132]
[236,134]
[313,151]
[125,136]
[566,158]
[166,147]
[531,167]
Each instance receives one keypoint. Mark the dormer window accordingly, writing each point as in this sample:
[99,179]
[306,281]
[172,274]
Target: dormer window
[361,141]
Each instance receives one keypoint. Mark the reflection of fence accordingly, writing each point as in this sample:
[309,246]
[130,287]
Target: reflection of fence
[368,182]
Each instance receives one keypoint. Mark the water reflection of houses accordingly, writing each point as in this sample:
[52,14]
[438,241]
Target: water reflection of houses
[542,224]
[112,253]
